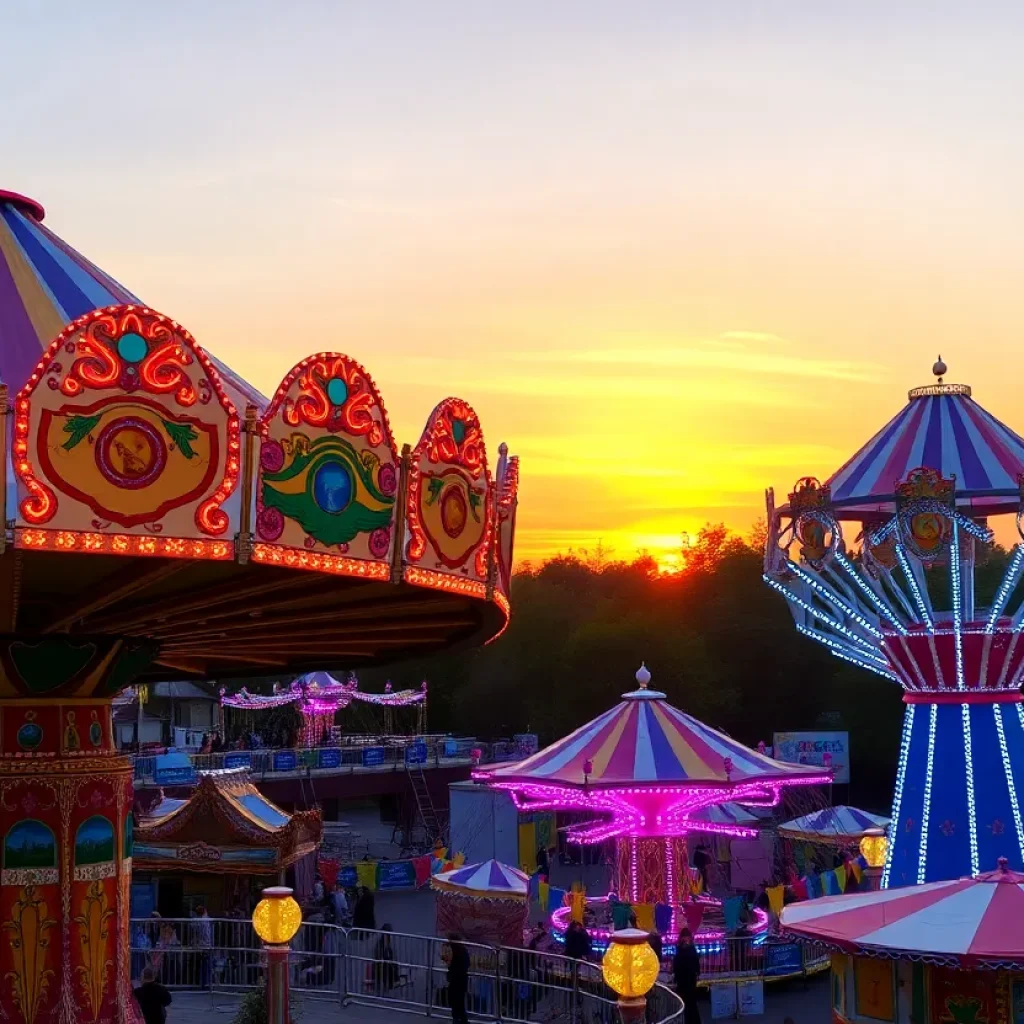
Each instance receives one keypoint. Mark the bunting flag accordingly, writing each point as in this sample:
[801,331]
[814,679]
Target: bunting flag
[696,884]
[328,868]
[800,889]
[731,912]
[662,918]
[776,898]
[856,870]
[555,899]
[830,882]
[644,916]
[814,889]
[840,873]
[620,915]
[543,893]
[533,888]
[577,903]
[694,913]
[366,873]
[422,865]
[460,859]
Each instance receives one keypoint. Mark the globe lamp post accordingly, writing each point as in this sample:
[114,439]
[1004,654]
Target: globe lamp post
[874,847]
[630,968]
[276,919]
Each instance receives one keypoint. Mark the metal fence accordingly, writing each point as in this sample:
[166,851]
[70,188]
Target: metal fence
[354,754]
[384,968]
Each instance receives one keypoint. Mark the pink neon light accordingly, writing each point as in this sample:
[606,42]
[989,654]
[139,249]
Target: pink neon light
[560,923]
[634,875]
[636,811]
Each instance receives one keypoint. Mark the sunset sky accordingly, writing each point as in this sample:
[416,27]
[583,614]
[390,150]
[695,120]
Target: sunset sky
[671,252]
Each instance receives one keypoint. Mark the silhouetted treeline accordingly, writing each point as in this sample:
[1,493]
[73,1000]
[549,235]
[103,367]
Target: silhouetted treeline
[718,641]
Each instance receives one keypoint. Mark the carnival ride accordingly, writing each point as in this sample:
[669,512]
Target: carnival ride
[648,772]
[910,606]
[834,826]
[485,902]
[318,697]
[166,522]
[939,951]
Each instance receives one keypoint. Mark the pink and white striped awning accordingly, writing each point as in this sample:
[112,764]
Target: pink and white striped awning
[968,922]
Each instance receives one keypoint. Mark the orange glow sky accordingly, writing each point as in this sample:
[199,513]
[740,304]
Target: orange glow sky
[671,252]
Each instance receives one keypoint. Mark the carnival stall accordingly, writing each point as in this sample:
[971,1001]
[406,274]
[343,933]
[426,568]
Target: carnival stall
[816,839]
[942,951]
[226,829]
[165,521]
[645,770]
[919,498]
[318,697]
[484,903]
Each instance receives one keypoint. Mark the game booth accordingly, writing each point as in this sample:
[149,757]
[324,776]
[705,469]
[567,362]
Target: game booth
[950,951]
[220,846]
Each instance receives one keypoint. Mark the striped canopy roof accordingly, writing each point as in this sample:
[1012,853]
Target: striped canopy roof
[45,284]
[489,878]
[646,740]
[970,922]
[832,825]
[727,813]
[946,431]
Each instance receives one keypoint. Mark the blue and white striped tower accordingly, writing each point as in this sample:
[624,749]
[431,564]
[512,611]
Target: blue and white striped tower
[915,503]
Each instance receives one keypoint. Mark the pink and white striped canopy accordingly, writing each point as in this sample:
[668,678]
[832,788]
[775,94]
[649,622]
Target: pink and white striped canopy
[967,922]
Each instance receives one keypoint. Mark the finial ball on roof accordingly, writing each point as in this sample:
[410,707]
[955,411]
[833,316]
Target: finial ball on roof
[939,369]
[643,676]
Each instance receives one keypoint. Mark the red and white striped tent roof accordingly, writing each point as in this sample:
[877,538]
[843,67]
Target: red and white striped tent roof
[966,922]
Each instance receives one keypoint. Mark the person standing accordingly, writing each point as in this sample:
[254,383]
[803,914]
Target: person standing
[458,980]
[203,939]
[543,863]
[153,998]
[686,972]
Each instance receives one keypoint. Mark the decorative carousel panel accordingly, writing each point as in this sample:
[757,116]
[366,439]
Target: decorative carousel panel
[328,476]
[125,442]
[450,502]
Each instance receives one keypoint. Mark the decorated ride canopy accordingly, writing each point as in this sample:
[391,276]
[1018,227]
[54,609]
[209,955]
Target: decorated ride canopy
[728,814]
[908,605]
[649,767]
[319,692]
[226,826]
[833,825]
[489,878]
[968,923]
[484,902]
[225,534]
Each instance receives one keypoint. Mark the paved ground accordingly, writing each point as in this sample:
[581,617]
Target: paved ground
[804,1004]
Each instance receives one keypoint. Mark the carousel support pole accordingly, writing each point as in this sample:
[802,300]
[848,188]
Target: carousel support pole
[4,409]
[397,552]
[244,543]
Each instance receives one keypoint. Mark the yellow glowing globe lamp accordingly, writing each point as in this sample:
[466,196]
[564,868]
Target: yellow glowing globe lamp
[630,967]
[874,846]
[277,916]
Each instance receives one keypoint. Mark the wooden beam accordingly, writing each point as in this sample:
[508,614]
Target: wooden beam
[122,584]
[347,611]
[241,589]
[274,628]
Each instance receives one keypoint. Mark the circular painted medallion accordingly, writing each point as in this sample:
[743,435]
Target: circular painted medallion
[132,348]
[454,512]
[130,452]
[30,736]
[332,487]
[337,391]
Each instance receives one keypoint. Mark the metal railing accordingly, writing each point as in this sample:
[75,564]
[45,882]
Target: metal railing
[353,755]
[384,968]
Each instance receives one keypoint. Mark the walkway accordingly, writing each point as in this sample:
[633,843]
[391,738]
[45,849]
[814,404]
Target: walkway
[808,1004]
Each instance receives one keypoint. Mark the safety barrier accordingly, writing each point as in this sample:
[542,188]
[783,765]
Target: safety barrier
[351,756]
[385,968]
